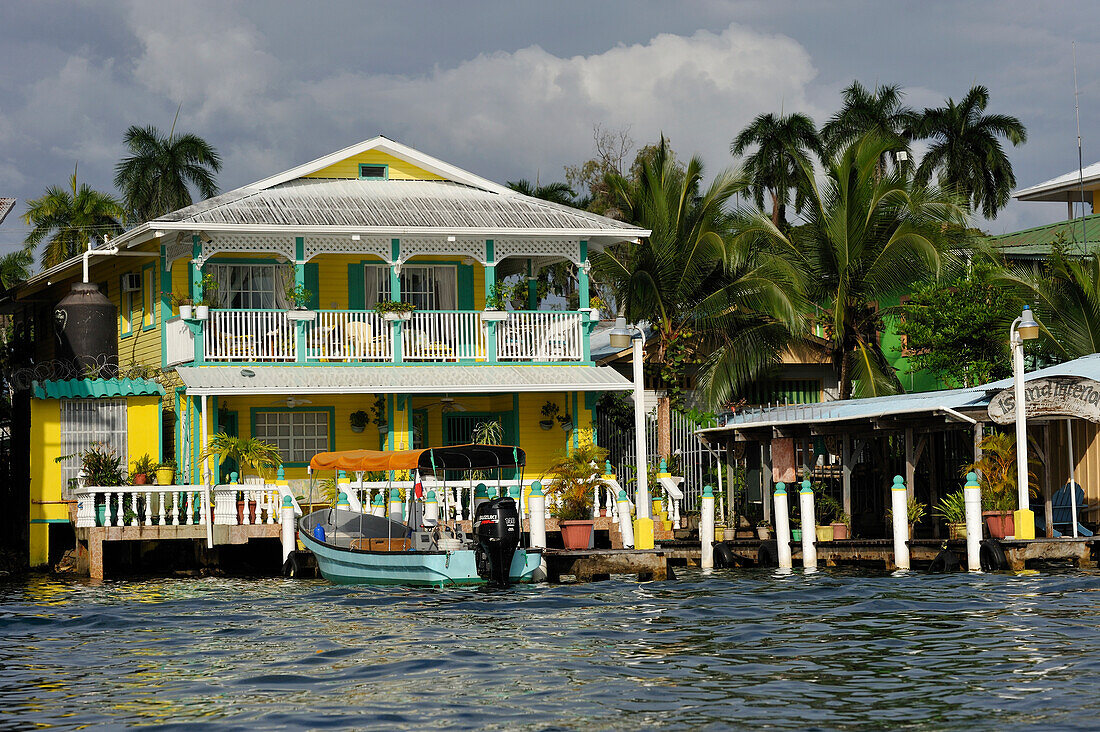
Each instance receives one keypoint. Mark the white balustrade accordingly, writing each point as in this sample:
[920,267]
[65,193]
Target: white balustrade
[249,335]
[349,335]
[148,505]
[437,335]
[540,336]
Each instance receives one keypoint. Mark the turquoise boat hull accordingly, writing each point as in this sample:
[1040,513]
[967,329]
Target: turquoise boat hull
[425,569]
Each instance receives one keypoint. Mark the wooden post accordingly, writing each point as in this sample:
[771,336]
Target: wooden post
[766,479]
[846,472]
[910,462]
[1048,478]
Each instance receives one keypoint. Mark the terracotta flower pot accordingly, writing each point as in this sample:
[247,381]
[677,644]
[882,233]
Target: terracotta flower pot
[576,534]
[251,512]
[840,531]
[140,479]
[1000,524]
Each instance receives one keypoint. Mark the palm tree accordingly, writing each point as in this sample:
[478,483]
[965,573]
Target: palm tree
[245,451]
[15,267]
[704,299]
[966,152]
[773,167]
[71,220]
[154,178]
[867,238]
[559,192]
[880,111]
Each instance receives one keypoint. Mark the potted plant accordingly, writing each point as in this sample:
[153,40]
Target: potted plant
[299,297]
[795,519]
[246,451]
[566,422]
[572,483]
[764,530]
[392,311]
[495,302]
[826,509]
[997,476]
[380,420]
[184,303]
[914,513]
[842,526]
[166,472]
[144,468]
[359,421]
[720,531]
[549,413]
[952,509]
[209,297]
[101,467]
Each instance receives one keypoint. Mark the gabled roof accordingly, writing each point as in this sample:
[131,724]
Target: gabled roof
[1035,242]
[6,205]
[1065,187]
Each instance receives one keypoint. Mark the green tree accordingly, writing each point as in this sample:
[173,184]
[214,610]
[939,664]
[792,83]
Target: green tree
[966,151]
[729,310]
[959,331]
[773,168]
[868,238]
[880,111]
[15,267]
[154,179]
[559,193]
[69,220]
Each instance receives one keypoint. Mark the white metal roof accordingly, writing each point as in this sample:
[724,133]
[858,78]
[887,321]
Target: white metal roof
[6,205]
[405,379]
[368,206]
[1062,188]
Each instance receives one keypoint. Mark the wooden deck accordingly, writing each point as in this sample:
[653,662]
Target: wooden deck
[589,565]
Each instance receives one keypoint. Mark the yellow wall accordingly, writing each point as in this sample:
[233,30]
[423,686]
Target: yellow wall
[399,169]
[143,425]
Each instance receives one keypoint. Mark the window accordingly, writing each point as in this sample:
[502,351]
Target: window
[299,435]
[426,287]
[147,301]
[374,172]
[125,309]
[248,286]
[87,421]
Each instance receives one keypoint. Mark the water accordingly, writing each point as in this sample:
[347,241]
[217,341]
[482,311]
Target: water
[734,648]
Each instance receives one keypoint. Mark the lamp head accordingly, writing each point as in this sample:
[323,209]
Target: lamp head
[1028,327]
[620,334]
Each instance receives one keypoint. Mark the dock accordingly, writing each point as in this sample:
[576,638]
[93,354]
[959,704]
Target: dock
[590,565]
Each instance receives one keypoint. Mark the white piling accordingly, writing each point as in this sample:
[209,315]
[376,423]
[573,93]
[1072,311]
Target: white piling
[782,526]
[899,509]
[396,508]
[286,518]
[706,529]
[431,509]
[809,526]
[536,500]
[972,497]
[626,526]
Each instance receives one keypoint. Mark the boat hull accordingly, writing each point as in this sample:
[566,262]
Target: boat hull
[425,569]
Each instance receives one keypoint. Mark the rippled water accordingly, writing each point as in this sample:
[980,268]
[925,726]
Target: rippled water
[736,647]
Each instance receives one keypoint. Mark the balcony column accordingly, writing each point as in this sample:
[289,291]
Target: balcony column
[532,288]
[196,327]
[586,317]
[299,281]
[490,285]
[395,296]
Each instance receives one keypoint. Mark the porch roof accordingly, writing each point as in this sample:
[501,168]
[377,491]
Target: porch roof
[427,379]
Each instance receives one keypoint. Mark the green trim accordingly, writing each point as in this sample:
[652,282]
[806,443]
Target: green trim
[195,414]
[385,174]
[357,297]
[299,248]
[165,304]
[125,298]
[576,422]
[50,521]
[312,281]
[96,388]
[253,411]
[152,297]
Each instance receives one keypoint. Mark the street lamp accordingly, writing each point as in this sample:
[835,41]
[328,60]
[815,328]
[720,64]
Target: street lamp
[623,335]
[1024,328]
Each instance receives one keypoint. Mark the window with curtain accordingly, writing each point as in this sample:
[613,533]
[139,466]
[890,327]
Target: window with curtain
[427,287]
[249,286]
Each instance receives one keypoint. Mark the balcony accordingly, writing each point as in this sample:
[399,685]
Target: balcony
[356,336]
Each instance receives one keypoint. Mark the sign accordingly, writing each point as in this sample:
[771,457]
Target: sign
[1055,396]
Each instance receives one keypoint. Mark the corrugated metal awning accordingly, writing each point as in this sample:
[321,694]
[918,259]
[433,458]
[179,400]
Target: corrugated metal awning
[448,379]
[96,388]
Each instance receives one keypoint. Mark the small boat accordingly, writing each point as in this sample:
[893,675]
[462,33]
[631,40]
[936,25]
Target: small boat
[353,547]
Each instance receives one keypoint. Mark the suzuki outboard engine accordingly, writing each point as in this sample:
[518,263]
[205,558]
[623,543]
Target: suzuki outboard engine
[496,533]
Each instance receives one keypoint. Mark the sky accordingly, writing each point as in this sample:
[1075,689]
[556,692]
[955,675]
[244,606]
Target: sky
[513,90]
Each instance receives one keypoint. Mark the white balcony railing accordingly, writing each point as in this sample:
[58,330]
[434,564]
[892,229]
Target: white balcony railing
[179,344]
[349,335]
[249,335]
[540,336]
[440,335]
[178,505]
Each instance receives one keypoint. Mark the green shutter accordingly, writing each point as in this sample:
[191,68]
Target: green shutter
[356,299]
[313,284]
[465,287]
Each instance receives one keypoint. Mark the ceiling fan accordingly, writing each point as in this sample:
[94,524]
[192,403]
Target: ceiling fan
[446,405]
[292,402]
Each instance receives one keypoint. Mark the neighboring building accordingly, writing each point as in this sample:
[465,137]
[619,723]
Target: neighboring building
[372,223]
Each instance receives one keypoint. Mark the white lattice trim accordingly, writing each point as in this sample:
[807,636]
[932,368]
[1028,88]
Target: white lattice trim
[556,248]
[378,246]
[249,244]
[176,250]
[474,248]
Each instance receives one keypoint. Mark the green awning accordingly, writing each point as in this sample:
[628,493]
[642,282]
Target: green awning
[96,388]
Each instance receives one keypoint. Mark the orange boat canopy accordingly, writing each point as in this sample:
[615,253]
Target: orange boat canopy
[427,460]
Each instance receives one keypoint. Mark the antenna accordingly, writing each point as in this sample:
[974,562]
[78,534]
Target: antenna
[1080,158]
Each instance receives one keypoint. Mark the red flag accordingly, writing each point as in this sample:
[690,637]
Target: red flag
[419,489]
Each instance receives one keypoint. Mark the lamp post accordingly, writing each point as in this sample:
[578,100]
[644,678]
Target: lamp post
[621,336]
[1024,328]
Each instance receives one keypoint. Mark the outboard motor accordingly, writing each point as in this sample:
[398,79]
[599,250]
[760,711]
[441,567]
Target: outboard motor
[496,533]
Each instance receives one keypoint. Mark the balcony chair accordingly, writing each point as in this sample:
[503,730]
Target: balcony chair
[1062,512]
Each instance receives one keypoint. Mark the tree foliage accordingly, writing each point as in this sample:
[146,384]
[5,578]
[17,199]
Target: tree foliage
[156,176]
[773,167]
[68,220]
[880,111]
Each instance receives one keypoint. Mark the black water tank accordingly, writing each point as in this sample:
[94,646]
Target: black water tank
[86,324]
